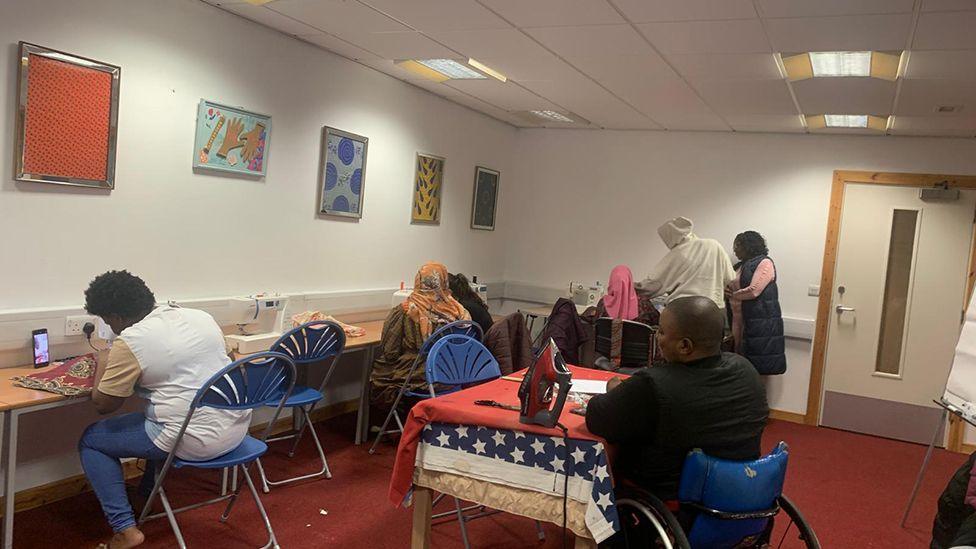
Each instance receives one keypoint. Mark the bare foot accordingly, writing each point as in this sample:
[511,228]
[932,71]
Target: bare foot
[130,537]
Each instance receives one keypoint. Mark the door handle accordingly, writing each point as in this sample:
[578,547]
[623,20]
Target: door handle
[843,309]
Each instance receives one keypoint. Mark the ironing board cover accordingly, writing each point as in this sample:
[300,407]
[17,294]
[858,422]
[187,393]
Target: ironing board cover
[72,378]
[459,408]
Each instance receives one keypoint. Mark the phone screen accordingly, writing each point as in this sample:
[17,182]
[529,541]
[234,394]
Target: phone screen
[42,355]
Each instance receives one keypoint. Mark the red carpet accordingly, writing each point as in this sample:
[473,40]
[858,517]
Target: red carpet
[851,488]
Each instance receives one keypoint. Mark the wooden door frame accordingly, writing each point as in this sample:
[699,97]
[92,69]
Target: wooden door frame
[841,179]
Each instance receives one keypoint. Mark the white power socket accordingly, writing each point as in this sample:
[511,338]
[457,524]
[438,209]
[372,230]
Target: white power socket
[73,325]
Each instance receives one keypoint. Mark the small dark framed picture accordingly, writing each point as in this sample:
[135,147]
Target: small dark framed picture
[485,199]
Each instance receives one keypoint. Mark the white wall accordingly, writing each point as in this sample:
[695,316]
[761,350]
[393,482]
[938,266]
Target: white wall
[195,235]
[590,200]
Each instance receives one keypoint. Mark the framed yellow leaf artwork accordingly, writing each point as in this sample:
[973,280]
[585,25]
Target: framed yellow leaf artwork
[427,190]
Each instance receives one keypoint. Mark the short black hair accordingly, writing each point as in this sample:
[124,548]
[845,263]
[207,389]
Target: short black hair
[461,289]
[119,293]
[752,244]
[700,320]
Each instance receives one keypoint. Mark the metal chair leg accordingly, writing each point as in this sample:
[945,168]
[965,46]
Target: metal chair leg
[171,518]
[223,481]
[324,471]
[230,501]
[272,541]
[298,435]
[264,479]
[464,529]
[539,531]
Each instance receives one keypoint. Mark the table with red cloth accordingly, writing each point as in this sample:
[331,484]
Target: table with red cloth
[485,455]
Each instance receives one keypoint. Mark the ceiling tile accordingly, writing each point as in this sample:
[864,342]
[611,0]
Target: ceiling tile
[705,121]
[429,15]
[948,5]
[734,66]
[484,108]
[504,95]
[806,8]
[845,96]
[922,97]
[582,96]
[553,13]
[339,46]
[489,44]
[747,96]
[594,40]
[946,31]
[955,64]
[853,33]
[740,36]
[403,45]
[646,11]
[935,125]
[262,15]
[766,123]
[539,66]
[340,17]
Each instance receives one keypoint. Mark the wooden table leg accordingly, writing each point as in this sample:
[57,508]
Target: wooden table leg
[585,543]
[420,539]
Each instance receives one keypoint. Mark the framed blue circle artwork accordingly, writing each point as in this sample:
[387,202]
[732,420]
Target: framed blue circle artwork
[343,179]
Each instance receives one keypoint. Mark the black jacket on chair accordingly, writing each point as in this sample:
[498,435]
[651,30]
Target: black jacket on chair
[661,413]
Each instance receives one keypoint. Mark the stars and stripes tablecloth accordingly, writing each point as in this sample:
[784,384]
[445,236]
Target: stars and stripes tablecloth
[527,461]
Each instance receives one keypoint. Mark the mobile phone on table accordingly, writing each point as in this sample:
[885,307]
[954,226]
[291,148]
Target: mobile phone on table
[42,351]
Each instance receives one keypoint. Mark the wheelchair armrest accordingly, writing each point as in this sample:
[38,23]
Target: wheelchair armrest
[714,513]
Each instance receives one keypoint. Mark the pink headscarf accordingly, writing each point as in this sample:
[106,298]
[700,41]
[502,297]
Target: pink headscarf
[621,299]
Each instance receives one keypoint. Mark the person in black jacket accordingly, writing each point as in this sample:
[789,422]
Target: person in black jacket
[701,398]
[461,290]
[955,523]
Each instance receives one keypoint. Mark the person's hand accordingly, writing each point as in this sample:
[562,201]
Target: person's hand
[728,292]
[613,382]
[252,140]
[232,138]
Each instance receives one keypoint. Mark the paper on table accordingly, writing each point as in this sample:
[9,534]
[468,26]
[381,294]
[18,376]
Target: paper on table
[589,386]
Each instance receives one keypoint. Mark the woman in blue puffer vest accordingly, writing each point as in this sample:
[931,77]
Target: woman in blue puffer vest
[757,321]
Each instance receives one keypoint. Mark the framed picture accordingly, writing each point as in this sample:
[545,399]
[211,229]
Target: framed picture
[67,118]
[427,189]
[485,198]
[231,139]
[343,173]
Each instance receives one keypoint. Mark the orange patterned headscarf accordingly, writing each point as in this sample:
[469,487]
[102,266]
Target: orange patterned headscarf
[430,304]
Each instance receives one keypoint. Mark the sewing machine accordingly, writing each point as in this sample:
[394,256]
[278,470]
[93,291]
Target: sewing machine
[260,320]
[402,294]
[548,375]
[587,296]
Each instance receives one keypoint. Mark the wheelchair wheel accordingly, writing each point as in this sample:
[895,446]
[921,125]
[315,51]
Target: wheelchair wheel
[802,531]
[646,521]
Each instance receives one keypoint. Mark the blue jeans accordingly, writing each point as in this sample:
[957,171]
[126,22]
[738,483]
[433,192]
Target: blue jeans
[101,447]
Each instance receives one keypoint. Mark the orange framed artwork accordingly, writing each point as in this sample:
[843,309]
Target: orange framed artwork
[67,118]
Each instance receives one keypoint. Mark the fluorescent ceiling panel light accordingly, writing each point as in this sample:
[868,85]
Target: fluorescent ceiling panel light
[487,70]
[846,120]
[258,2]
[552,115]
[451,69]
[841,63]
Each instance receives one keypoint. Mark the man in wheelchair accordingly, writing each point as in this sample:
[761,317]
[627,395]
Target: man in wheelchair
[701,398]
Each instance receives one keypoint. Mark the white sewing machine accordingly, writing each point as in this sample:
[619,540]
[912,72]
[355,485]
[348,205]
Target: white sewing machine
[401,295]
[587,296]
[260,320]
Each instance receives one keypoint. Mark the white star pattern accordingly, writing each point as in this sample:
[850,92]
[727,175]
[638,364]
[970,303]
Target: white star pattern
[479,447]
[517,454]
[557,464]
[558,442]
[604,501]
[444,438]
[538,446]
[601,473]
[519,434]
[579,455]
[462,431]
[499,438]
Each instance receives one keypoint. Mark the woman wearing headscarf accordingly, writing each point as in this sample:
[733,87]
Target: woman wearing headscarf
[407,326]
[757,321]
[622,300]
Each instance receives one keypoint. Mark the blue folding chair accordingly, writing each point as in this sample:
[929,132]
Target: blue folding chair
[309,343]
[263,379]
[458,327]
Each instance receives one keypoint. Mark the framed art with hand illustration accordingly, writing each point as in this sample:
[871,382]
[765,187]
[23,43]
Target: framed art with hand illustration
[67,119]
[231,139]
[343,173]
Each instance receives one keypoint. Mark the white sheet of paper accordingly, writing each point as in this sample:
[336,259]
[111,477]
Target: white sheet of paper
[589,386]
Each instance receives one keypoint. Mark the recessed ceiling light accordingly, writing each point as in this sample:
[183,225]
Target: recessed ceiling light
[487,70]
[451,69]
[552,115]
[840,63]
[948,108]
[846,120]
[258,2]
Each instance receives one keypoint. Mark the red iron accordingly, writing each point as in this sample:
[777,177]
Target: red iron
[538,406]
